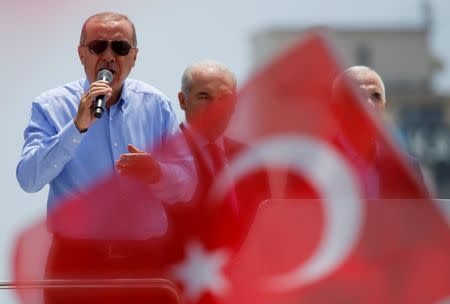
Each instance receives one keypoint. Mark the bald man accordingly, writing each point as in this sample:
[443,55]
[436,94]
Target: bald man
[208,86]
[208,96]
[368,83]
[371,89]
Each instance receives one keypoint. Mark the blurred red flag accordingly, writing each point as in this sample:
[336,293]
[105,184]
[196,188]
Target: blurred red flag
[329,210]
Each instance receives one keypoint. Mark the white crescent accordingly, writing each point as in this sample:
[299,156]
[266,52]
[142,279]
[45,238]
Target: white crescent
[336,184]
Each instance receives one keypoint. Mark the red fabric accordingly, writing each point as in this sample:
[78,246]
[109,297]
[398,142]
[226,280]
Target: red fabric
[307,193]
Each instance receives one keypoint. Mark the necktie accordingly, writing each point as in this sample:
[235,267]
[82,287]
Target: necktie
[218,160]
[216,156]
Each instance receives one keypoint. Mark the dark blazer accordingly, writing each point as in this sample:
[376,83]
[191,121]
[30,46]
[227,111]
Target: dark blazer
[204,174]
[378,172]
[215,223]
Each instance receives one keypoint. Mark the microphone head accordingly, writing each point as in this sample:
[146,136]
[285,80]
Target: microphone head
[105,75]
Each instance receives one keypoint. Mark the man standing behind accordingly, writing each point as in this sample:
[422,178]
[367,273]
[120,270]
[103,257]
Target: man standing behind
[208,96]
[69,149]
[371,89]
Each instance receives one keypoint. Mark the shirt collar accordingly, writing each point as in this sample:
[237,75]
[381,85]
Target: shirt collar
[201,140]
[123,99]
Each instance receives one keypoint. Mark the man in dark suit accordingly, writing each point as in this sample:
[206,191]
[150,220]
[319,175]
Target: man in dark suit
[370,158]
[208,96]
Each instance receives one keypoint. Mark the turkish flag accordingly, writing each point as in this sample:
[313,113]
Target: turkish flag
[328,209]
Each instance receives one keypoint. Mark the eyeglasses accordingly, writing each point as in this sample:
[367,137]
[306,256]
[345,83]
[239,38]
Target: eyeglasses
[120,47]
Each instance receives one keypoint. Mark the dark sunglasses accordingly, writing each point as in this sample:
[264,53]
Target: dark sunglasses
[120,47]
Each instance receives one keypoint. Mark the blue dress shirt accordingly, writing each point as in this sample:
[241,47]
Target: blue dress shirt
[56,153]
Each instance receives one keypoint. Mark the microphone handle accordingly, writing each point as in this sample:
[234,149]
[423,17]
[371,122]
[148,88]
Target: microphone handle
[99,106]
[100,102]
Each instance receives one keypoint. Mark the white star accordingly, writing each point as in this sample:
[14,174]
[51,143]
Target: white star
[201,271]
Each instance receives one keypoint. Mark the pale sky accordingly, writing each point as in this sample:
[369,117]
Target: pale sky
[39,52]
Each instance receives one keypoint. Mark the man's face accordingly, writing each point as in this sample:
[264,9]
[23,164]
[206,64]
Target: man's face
[120,66]
[371,89]
[210,102]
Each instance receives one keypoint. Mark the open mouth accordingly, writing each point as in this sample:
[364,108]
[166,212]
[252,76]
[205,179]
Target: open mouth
[112,70]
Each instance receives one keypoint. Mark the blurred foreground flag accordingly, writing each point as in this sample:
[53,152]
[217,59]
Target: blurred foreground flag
[328,209]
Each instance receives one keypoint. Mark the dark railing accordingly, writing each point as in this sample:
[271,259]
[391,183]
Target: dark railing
[161,288]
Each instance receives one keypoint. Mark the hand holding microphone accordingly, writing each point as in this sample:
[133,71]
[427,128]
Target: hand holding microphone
[100,100]
[93,101]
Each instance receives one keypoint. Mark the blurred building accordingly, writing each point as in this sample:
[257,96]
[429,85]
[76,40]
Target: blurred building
[403,57]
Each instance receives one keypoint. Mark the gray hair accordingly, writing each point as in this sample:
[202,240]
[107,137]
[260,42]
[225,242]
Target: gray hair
[205,64]
[108,17]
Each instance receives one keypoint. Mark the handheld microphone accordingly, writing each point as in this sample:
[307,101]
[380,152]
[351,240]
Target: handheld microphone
[100,101]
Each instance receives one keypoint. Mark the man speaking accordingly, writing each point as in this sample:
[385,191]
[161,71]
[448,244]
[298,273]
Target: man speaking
[67,147]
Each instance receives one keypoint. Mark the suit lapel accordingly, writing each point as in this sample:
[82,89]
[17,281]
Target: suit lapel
[204,173]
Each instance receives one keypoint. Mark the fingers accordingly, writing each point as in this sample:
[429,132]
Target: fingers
[134,149]
[98,88]
[135,159]
[84,117]
[140,165]
[135,154]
